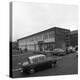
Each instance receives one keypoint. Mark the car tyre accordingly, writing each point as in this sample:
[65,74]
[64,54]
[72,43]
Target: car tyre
[52,65]
[31,71]
[23,71]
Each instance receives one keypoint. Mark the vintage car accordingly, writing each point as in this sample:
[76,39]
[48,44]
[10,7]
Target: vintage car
[76,51]
[37,62]
[58,52]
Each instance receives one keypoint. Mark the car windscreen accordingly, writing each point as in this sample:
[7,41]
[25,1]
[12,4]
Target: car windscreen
[25,63]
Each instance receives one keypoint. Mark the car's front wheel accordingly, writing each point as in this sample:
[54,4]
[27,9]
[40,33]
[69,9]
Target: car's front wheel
[52,65]
[31,71]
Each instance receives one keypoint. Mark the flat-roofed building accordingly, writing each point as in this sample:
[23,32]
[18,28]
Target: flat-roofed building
[46,40]
[74,38]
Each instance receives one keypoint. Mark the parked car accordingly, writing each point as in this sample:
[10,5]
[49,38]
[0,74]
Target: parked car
[58,52]
[76,51]
[37,62]
[71,49]
[76,48]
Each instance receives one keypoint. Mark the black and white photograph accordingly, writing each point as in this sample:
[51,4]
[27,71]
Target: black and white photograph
[43,39]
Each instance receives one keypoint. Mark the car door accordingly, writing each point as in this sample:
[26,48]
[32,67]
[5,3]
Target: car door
[42,65]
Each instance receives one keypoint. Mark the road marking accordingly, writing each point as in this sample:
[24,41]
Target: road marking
[17,69]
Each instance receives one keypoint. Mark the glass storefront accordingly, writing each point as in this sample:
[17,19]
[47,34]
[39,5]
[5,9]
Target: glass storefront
[46,46]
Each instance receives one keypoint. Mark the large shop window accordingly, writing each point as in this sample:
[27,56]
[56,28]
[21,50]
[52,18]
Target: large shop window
[49,46]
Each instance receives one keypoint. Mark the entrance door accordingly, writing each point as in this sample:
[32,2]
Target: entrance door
[40,43]
[40,47]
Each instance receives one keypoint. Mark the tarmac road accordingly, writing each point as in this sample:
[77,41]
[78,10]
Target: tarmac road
[67,65]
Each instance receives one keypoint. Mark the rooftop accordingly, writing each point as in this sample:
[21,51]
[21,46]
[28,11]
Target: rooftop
[53,28]
[74,32]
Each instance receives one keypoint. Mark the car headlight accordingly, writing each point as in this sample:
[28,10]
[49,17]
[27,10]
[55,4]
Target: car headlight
[25,63]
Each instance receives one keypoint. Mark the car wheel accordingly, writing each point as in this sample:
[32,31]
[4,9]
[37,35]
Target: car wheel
[31,71]
[52,65]
[23,71]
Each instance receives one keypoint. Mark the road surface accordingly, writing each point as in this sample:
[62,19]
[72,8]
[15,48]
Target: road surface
[67,65]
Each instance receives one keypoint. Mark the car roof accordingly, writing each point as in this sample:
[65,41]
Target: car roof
[35,56]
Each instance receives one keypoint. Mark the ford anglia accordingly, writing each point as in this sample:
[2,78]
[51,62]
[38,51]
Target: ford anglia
[37,63]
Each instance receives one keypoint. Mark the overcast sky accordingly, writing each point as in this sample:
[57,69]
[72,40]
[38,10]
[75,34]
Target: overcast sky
[30,18]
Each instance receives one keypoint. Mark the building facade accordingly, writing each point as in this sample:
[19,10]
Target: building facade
[46,40]
[74,38]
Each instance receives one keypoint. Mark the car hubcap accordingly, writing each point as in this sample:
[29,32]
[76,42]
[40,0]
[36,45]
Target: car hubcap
[52,65]
[31,71]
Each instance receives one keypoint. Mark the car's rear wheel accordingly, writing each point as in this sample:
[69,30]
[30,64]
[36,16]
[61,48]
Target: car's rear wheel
[31,71]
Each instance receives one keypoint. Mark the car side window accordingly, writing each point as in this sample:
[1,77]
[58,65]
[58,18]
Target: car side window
[41,58]
[28,60]
[38,59]
[35,60]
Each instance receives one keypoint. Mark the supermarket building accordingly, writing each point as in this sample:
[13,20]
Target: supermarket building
[46,40]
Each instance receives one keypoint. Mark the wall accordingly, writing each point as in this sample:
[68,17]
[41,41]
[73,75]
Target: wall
[62,35]
[74,39]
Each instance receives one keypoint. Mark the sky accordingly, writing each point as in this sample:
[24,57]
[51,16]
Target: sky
[29,18]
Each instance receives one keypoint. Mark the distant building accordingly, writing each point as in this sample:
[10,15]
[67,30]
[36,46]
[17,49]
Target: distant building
[14,45]
[74,38]
[46,40]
